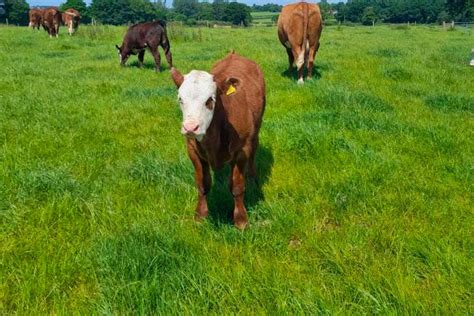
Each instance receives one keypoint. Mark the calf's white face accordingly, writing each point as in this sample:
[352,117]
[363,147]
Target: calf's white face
[197,97]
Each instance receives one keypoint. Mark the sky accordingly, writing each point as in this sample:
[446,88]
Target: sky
[249,2]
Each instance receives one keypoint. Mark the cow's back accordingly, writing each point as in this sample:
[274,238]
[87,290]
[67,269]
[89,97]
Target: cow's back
[52,16]
[35,15]
[245,106]
[291,24]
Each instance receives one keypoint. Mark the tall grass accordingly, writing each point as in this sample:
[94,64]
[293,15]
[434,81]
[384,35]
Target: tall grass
[364,200]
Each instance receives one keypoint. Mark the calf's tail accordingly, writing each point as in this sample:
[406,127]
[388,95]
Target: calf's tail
[304,49]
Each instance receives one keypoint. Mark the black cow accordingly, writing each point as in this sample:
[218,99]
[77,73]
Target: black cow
[145,35]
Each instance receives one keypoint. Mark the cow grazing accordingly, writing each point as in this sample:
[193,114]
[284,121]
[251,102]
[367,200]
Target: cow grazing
[71,18]
[299,30]
[145,35]
[36,15]
[222,114]
[51,21]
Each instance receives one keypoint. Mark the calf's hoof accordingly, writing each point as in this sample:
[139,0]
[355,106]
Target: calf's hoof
[201,213]
[199,218]
[300,81]
[240,220]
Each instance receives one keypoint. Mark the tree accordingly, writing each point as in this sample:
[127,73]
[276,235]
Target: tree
[119,12]
[325,9]
[17,11]
[340,11]
[369,17]
[80,6]
[188,8]
[205,12]
[237,14]
[219,8]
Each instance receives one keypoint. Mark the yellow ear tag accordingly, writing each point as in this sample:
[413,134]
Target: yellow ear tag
[230,90]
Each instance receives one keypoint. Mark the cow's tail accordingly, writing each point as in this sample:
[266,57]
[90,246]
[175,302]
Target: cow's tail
[304,49]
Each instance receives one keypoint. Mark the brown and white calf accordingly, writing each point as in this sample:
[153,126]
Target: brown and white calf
[142,36]
[35,16]
[222,113]
[71,18]
[51,21]
[299,30]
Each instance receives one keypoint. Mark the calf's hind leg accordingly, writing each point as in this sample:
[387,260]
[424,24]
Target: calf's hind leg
[237,187]
[157,57]
[168,56]
[141,55]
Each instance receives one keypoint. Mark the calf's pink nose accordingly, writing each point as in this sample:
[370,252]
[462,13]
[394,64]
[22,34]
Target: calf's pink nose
[190,126]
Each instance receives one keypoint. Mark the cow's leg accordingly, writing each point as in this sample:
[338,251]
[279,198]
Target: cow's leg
[299,54]
[291,59]
[252,168]
[169,58]
[141,55]
[312,54]
[237,186]
[157,57]
[202,176]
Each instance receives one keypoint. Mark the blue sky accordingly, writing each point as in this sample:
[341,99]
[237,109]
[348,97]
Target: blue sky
[250,2]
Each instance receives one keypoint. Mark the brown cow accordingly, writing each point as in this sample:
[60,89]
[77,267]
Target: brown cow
[51,21]
[145,35]
[222,114]
[299,30]
[36,16]
[71,18]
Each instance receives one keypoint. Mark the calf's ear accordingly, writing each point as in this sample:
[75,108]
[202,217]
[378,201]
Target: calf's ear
[230,85]
[177,77]
[118,48]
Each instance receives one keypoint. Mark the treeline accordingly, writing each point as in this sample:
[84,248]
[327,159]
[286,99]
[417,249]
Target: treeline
[192,12]
[120,12]
[399,11]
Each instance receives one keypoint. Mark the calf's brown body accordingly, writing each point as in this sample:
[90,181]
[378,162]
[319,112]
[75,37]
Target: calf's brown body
[232,135]
[71,18]
[299,30]
[35,15]
[51,21]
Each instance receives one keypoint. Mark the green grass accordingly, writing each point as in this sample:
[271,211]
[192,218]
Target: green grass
[263,17]
[366,173]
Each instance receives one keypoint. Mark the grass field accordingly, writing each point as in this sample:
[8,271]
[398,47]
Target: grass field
[263,17]
[364,202]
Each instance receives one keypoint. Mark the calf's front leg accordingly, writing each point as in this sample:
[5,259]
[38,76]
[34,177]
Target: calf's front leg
[237,187]
[203,180]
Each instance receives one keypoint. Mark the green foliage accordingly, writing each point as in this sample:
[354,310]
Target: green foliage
[80,6]
[269,7]
[369,17]
[237,14]
[402,11]
[118,12]
[364,197]
[17,11]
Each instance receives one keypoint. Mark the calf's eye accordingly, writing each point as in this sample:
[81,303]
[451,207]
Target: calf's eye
[209,103]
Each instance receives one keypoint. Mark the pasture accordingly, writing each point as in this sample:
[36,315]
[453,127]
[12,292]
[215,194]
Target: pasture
[363,202]
[263,18]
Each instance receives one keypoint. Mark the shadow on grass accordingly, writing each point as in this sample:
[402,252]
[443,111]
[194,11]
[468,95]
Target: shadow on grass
[147,65]
[293,73]
[220,200]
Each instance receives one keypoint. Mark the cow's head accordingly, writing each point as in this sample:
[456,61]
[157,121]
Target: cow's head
[123,55]
[197,99]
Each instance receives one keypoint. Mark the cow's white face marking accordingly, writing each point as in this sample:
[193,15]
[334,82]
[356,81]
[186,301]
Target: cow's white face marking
[197,97]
